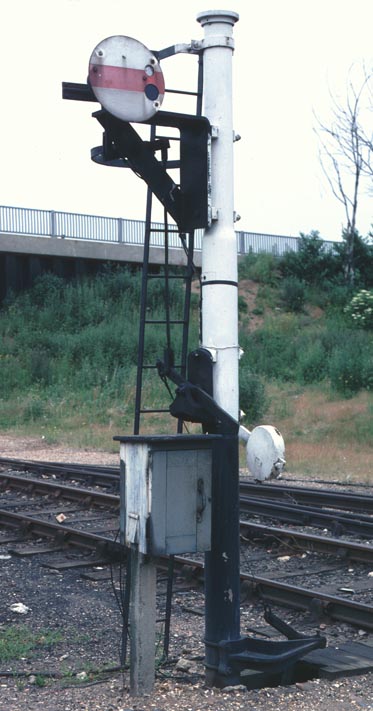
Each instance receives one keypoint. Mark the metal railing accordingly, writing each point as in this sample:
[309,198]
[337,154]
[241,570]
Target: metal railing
[70,225]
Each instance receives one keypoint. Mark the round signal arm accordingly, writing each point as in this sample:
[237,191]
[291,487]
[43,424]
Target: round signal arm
[265,452]
[126,78]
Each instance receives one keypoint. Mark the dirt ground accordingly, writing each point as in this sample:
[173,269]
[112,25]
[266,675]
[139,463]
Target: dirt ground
[35,448]
[85,614]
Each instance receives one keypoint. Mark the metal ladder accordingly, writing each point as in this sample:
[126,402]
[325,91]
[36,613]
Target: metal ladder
[162,143]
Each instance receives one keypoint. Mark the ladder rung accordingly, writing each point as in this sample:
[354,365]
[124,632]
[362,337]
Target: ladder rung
[153,367]
[149,410]
[164,322]
[170,231]
[170,276]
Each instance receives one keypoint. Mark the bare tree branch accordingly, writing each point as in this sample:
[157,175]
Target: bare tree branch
[346,155]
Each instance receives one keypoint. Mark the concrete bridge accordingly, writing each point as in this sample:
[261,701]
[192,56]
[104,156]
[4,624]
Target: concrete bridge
[71,244]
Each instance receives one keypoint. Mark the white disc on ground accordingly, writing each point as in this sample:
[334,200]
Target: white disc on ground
[265,452]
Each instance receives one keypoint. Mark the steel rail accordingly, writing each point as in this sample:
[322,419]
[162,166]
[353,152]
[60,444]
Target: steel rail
[355,551]
[72,536]
[321,497]
[308,516]
[106,475]
[300,598]
[60,465]
[281,593]
[75,493]
[307,495]
[103,475]
[334,606]
[288,513]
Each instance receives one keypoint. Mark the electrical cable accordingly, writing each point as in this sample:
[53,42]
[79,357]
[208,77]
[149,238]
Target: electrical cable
[122,600]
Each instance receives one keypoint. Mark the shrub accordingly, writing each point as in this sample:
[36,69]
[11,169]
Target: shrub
[262,268]
[242,305]
[253,400]
[80,333]
[293,294]
[360,309]
[271,350]
[313,363]
[312,263]
[346,370]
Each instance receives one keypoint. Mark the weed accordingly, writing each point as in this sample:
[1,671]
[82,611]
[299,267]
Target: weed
[40,680]
[19,641]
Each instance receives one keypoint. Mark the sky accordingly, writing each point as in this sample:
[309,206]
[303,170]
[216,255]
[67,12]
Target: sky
[290,56]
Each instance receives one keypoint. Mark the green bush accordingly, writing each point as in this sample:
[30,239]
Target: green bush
[271,350]
[312,263]
[312,363]
[253,400]
[82,334]
[293,294]
[347,363]
[360,309]
[242,305]
[262,268]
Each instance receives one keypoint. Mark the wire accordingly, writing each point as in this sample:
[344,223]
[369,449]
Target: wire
[122,600]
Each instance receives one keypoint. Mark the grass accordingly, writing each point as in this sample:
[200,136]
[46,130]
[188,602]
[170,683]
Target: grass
[68,369]
[325,436]
[19,641]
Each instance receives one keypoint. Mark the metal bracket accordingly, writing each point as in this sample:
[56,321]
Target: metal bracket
[187,203]
[272,657]
[214,41]
[182,48]
[193,403]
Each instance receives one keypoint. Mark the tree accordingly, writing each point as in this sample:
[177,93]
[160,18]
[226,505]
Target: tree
[346,158]
[312,263]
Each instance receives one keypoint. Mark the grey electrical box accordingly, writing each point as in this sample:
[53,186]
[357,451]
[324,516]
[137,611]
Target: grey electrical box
[166,484]
[180,519]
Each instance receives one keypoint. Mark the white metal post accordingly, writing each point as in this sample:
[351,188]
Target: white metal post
[219,247]
[220,336]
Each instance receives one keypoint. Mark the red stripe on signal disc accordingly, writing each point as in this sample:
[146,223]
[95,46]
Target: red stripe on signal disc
[122,78]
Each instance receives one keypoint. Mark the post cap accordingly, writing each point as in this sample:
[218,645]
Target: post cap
[208,17]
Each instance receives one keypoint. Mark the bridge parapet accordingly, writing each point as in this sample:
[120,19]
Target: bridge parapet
[117,230]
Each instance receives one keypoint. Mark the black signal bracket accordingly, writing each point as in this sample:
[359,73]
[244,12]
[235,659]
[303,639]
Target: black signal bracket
[187,201]
[267,656]
[192,403]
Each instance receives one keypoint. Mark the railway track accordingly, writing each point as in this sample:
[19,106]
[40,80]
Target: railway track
[108,476]
[90,520]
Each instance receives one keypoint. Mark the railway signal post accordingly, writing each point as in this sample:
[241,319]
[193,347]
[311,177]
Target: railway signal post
[180,494]
[220,337]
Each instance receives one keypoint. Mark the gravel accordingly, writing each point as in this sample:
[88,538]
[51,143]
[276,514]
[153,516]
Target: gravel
[86,617]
